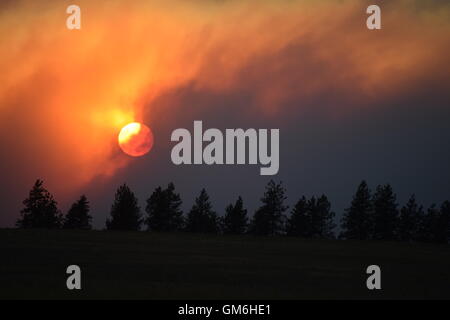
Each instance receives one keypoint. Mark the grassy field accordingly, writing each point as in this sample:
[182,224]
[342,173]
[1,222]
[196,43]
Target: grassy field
[190,266]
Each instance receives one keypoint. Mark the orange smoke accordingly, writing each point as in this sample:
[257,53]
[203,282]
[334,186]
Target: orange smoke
[65,95]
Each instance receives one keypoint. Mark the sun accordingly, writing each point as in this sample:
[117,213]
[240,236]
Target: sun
[135,139]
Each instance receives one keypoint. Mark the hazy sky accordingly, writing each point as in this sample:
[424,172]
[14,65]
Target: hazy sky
[350,103]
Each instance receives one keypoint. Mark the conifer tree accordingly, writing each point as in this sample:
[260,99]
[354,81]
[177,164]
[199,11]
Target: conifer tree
[201,218]
[385,214]
[356,222]
[411,216]
[163,210]
[429,225]
[442,231]
[323,219]
[125,212]
[299,224]
[41,209]
[78,216]
[235,220]
[269,218]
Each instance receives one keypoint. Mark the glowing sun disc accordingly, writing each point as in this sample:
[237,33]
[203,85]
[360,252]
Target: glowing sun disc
[135,139]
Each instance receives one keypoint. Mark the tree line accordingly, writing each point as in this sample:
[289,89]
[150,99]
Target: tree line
[370,216]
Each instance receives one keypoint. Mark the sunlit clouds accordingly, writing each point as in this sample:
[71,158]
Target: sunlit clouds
[67,94]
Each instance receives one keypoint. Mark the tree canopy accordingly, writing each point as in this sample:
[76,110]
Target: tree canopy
[41,209]
[125,212]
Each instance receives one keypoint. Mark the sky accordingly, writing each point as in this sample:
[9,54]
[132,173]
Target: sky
[350,103]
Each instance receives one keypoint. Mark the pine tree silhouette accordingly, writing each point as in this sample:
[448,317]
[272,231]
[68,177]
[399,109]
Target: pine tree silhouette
[411,216]
[385,213]
[125,212]
[442,230]
[41,209]
[428,226]
[78,216]
[323,219]
[356,222]
[235,220]
[312,218]
[299,223]
[268,219]
[201,218]
[163,209]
